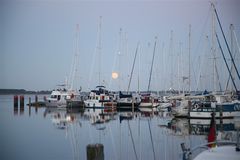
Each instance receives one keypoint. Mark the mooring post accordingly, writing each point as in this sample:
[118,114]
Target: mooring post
[15,104]
[21,104]
[21,101]
[95,152]
[15,101]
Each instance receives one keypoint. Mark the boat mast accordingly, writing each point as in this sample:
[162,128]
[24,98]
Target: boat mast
[214,51]
[231,30]
[226,42]
[189,60]
[132,68]
[150,77]
[226,63]
[179,77]
[99,47]
[75,60]
[139,64]
[171,56]
[119,60]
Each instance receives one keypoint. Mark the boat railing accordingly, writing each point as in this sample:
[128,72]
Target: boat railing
[187,152]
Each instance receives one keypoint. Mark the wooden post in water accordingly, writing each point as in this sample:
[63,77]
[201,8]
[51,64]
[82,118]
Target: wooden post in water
[21,104]
[15,101]
[21,101]
[29,106]
[15,104]
[95,152]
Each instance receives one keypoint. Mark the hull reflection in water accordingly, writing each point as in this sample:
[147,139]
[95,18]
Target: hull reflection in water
[68,131]
[186,126]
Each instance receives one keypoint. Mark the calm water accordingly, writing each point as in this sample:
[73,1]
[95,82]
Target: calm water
[49,134]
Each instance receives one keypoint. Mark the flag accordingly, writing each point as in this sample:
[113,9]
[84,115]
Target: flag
[212,132]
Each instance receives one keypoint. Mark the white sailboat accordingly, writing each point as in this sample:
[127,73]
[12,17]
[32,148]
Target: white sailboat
[149,100]
[60,96]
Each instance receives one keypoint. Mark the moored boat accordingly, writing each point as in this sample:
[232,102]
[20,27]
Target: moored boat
[59,97]
[99,98]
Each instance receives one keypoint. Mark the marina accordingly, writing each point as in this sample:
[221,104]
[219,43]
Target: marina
[119,80]
[122,134]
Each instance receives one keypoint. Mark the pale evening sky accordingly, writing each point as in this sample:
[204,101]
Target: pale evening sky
[37,42]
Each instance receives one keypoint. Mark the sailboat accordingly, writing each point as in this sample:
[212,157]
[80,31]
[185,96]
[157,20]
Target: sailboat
[99,97]
[149,100]
[129,100]
[60,96]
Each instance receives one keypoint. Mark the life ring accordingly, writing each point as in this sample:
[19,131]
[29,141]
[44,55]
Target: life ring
[196,106]
[196,130]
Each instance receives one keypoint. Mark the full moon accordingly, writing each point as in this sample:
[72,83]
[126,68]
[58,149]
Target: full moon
[114,75]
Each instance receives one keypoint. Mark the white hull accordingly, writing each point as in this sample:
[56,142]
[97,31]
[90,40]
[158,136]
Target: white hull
[55,103]
[208,114]
[144,104]
[219,153]
[93,103]
[59,98]
[147,109]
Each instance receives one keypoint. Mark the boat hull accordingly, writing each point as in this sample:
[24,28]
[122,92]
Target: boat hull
[228,110]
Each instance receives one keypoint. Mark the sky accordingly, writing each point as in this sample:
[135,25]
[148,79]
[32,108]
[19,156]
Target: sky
[38,43]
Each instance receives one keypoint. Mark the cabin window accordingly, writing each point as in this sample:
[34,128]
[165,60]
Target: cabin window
[59,97]
[53,96]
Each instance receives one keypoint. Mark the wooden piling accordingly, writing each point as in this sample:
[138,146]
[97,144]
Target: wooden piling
[21,104]
[15,101]
[95,152]
[15,104]
[22,101]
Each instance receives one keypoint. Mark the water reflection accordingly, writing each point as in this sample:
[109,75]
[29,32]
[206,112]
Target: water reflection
[123,135]
[199,126]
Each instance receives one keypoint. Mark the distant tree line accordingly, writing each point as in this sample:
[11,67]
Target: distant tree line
[22,91]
